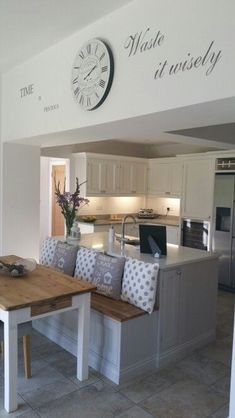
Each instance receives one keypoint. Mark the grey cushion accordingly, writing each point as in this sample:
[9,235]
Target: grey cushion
[65,257]
[107,275]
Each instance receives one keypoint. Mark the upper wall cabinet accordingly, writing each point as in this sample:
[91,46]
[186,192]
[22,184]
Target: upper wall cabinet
[165,177]
[199,174]
[109,175]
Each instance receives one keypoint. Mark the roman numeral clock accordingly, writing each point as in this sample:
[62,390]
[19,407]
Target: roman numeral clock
[92,74]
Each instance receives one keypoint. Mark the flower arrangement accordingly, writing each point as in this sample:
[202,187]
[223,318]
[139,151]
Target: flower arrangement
[69,203]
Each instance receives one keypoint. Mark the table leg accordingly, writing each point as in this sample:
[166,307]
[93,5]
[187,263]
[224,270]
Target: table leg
[10,363]
[83,336]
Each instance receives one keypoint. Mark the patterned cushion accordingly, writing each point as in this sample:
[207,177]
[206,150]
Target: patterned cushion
[65,257]
[140,283]
[85,263]
[107,275]
[47,251]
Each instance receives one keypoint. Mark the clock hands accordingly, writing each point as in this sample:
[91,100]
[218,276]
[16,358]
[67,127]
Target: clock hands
[90,72]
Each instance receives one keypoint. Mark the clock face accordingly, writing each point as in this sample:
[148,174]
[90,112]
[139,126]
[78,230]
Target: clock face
[92,74]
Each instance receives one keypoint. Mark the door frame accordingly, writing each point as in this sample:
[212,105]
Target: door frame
[53,162]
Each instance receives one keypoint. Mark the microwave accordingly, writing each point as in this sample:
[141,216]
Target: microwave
[195,234]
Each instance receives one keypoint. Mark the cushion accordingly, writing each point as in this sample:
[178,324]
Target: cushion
[85,263]
[140,283]
[107,275]
[65,257]
[47,251]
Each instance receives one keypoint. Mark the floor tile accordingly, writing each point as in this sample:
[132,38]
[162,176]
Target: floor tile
[203,369]
[144,388]
[134,412]
[42,375]
[94,377]
[220,350]
[88,402]
[62,361]
[184,399]
[23,408]
[221,412]
[222,386]
[48,392]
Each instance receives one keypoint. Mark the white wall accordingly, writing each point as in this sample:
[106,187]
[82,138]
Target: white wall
[160,205]
[189,27]
[1,164]
[21,190]
[113,205]
[45,178]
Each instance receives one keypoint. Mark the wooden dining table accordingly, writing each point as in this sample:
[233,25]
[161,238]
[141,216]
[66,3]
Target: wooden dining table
[38,294]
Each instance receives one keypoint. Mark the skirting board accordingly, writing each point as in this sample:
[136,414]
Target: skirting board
[110,370]
[181,351]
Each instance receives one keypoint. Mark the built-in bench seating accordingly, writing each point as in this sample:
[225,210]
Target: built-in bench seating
[127,340]
[123,337]
[115,309]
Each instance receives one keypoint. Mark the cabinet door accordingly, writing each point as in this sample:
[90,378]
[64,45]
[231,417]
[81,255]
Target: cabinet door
[172,233]
[198,297]
[93,177]
[198,189]
[176,174]
[159,179]
[124,178]
[107,178]
[138,173]
[169,303]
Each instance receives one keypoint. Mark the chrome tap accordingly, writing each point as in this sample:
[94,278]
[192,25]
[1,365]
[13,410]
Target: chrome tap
[123,228]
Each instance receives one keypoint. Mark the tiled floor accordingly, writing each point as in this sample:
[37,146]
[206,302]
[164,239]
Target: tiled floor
[196,387]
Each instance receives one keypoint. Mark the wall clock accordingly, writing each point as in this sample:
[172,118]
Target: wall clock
[92,74]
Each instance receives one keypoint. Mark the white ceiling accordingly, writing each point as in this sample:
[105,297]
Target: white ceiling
[27,27]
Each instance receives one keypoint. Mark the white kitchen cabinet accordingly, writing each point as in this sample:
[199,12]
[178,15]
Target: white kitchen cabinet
[165,177]
[108,175]
[138,178]
[198,193]
[172,234]
[101,177]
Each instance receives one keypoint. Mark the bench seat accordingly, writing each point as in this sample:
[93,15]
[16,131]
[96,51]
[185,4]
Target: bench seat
[115,309]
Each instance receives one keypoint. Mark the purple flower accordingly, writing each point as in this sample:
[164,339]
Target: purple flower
[69,203]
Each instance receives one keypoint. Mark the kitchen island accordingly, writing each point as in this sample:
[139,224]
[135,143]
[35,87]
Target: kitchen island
[184,318]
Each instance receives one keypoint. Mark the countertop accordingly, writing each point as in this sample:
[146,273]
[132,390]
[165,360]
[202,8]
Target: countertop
[160,220]
[176,255]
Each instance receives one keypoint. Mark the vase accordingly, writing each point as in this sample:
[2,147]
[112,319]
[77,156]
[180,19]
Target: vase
[68,226]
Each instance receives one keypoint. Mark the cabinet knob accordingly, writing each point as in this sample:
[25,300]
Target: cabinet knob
[178,273]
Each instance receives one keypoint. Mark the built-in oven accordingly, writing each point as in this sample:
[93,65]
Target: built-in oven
[195,234]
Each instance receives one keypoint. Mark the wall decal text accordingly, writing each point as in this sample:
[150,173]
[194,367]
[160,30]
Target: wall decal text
[208,59]
[141,42]
[144,41]
[27,90]
[51,107]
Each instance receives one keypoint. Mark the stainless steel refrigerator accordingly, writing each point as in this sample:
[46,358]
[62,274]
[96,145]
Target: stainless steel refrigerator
[223,229]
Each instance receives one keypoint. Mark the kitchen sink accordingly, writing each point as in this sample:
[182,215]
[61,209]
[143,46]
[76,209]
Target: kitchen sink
[127,240]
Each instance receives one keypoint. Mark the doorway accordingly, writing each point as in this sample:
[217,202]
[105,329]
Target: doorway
[58,174]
